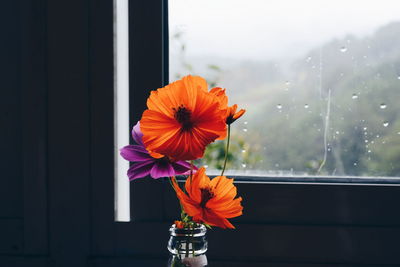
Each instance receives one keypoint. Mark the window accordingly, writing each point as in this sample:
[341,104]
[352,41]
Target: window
[320,87]
[287,220]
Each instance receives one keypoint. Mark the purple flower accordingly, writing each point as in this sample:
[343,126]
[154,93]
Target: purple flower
[145,164]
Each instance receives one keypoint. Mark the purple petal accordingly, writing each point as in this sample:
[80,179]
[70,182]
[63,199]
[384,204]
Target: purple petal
[162,169]
[183,167]
[135,153]
[140,170]
[137,134]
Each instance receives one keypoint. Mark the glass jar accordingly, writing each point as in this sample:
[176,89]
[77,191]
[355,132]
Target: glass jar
[187,246]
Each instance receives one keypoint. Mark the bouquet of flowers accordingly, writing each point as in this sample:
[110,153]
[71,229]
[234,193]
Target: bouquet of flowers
[181,119]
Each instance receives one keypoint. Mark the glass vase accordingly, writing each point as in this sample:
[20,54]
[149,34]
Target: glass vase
[187,246]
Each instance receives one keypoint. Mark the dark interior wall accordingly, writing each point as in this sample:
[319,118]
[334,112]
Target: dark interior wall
[23,191]
[11,128]
[11,182]
[56,186]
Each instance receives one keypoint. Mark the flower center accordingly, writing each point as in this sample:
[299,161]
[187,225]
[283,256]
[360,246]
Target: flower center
[206,195]
[183,115]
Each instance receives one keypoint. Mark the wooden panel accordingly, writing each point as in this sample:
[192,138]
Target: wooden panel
[26,261]
[320,204]
[278,264]
[133,262]
[34,113]
[273,243]
[311,204]
[102,123]
[68,131]
[142,239]
[128,262]
[313,244]
[11,233]
[10,112]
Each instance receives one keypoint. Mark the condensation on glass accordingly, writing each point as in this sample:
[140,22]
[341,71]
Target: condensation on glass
[121,108]
[320,81]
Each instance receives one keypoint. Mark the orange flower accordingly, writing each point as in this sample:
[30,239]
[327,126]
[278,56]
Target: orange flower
[210,201]
[182,119]
[179,224]
[233,115]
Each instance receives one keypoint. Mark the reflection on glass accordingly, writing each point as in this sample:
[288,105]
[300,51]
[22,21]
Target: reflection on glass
[320,87]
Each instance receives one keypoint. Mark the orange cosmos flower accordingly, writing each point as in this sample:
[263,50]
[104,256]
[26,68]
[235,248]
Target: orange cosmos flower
[182,119]
[233,115]
[210,201]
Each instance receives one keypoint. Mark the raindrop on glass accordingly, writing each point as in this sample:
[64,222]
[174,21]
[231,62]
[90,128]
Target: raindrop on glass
[365,128]
[398,77]
[366,141]
[337,132]
[369,151]
[244,129]
[279,106]
[245,122]
[398,132]
[206,166]
[243,150]
[276,165]
[386,124]
[308,59]
[354,96]
[383,106]
[343,49]
[287,83]
[355,163]
[244,165]
[306,106]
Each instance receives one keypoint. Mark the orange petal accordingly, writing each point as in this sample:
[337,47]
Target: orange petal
[239,114]
[199,180]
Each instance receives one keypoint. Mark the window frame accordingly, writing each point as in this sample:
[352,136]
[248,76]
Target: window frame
[286,221]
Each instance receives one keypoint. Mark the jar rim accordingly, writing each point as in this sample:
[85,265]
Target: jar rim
[194,232]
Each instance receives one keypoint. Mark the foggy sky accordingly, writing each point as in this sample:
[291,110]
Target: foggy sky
[269,29]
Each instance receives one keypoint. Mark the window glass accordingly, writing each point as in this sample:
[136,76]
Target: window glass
[320,81]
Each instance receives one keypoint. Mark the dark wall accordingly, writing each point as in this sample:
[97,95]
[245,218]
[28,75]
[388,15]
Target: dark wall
[56,186]
[23,137]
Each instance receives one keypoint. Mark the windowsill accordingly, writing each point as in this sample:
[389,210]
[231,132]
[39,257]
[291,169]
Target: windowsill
[266,177]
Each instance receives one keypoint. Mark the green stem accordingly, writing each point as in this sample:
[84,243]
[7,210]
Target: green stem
[182,210]
[191,171]
[187,247]
[227,149]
